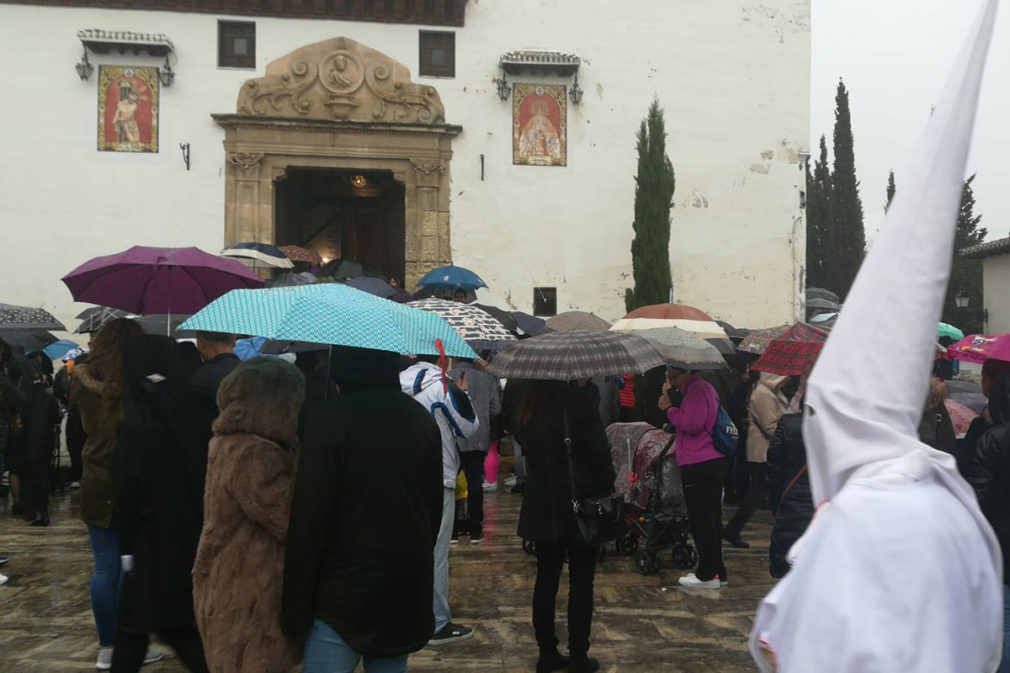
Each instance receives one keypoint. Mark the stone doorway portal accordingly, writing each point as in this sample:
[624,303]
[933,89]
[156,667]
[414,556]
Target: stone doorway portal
[343,214]
[338,108]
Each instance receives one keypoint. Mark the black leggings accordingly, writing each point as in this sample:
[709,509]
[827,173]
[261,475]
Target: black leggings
[581,568]
[754,498]
[128,654]
[703,494]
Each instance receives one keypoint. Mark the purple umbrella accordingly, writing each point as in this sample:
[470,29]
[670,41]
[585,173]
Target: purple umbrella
[158,280]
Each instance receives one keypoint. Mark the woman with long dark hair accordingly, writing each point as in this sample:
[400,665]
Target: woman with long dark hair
[549,412]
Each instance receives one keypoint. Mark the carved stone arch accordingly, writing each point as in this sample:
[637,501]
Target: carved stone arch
[339,104]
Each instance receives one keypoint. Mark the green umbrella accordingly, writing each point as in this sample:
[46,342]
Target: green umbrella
[945,330]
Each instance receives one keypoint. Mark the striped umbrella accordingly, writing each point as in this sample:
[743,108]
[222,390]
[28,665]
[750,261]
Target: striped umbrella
[565,356]
[687,318]
[758,340]
[260,252]
[330,313]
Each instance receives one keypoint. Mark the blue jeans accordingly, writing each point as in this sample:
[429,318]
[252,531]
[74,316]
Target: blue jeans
[105,581]
[1004,666]
[326,652]
[440,602]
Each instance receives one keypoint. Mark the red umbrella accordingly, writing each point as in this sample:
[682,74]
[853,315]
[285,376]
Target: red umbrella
[960,416]
[158,280]
[795,352]
[669,312]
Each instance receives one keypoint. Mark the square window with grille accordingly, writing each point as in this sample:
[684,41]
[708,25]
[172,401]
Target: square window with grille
[236,44]
[545,301]
[437,53]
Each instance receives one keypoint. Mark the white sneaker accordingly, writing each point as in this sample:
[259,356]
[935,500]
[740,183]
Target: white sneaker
[490,486]
[510,480]
[74,485]
[3,579]
[695,583]
[153,654]
[104,661]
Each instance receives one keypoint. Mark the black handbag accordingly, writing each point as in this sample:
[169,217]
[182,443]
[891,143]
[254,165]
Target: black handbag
[599,519]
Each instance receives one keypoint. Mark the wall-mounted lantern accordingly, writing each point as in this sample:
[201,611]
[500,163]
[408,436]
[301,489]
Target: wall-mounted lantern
[84,67]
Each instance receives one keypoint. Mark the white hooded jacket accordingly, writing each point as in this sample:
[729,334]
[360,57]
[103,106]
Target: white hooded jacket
[899,570]
[423,382]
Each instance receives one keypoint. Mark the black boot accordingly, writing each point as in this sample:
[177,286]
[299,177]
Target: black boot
[550,661]
[583,664]
[734,539]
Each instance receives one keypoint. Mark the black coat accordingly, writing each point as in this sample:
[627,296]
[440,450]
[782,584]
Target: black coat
[788,490]
[366,511]
[988,471]
[546,512]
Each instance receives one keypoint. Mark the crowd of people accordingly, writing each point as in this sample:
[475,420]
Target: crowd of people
[230,511]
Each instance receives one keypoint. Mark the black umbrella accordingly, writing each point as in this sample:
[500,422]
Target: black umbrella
[373,285]
[31,340]
[349,268]
[530,324]
[92,319]
[25,317]
[161,323]
[278,347]
[504,317]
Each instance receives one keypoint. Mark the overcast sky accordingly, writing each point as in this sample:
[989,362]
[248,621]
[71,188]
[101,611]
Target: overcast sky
[894,56]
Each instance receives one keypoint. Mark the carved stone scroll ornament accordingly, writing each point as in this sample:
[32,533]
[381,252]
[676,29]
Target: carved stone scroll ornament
[340,79]
[428,166]
[247,163]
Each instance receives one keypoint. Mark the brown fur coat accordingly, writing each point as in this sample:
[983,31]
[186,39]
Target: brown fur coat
[239,567]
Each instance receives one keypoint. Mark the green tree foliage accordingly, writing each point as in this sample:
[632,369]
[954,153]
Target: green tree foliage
[966,274]
[891,189]
[845,209]
[654,185]
[818,243]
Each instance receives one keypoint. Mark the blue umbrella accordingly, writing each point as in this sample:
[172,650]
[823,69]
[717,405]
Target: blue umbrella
[330,313]
[455,277]
[261,252]
[58,349]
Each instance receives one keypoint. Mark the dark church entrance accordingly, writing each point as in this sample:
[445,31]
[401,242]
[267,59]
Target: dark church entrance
[343,214]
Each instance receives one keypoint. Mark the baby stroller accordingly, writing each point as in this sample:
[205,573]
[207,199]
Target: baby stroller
[655,517]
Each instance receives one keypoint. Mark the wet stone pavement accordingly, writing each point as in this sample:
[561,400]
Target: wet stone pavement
[641,624]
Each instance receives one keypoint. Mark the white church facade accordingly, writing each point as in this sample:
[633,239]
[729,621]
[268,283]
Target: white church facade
[499,136]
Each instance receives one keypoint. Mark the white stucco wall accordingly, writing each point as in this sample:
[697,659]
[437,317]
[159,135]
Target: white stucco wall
[995,290]
[734,82]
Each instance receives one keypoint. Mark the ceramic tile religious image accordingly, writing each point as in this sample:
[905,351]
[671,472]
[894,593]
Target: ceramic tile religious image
[539,125]
[127,109]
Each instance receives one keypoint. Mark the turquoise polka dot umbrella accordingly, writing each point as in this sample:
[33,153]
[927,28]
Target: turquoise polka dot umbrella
[330,313]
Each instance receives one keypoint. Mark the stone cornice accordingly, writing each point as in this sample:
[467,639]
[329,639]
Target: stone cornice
[423,12]
[332,125]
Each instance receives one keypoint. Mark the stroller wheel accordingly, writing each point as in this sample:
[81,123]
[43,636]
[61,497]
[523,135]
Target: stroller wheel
[529,546]
[685,556]
[647,563]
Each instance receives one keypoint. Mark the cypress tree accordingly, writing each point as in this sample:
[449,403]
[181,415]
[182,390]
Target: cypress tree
[891,189]
[845,207]
[654,186]
[966,274]
[818,242]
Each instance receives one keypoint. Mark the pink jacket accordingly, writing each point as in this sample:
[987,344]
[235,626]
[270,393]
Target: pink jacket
[694,420]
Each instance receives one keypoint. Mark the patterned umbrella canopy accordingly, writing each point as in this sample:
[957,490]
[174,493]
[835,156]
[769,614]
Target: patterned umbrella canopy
[25,317]
[981,347]
[960,417]
[577,320]
[297,253]
[146,280]
[565,356]
[795,352]
[757,341]
[330,313]
[473,324]
[683,350]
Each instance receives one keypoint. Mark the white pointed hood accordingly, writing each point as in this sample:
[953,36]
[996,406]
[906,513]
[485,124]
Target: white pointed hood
[866,393]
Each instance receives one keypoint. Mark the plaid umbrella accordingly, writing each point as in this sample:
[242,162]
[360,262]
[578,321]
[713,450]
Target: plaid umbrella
[795,352]
[757,341]
[297,253]
[25,317]
[92,319]
[330,313]
[960,416]
[477,327]
[577,320]
[565,356]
